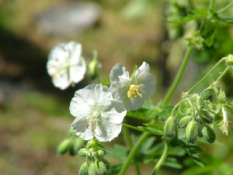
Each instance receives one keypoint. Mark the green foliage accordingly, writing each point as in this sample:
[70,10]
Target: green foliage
[192,150]
[192,15]
[156,129]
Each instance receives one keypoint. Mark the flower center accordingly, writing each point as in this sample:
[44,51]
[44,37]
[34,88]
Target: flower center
[134,91]
[94,118]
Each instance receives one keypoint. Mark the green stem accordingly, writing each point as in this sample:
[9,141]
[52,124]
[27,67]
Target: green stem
[133,152]
[130,144]
[222,74]
[218,79]
[206,75]
[226,8]
[178,77]
[191,4]
[165,101]
[161,160]
[212,2]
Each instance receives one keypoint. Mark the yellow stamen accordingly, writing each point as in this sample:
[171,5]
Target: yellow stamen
[134,91]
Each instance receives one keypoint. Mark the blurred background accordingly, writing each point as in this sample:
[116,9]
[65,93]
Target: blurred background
[34,115]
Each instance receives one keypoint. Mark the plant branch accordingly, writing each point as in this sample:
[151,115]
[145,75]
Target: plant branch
[226,8]
[133,152]
[178,76]
[203,78]
[161,160]
[128,140]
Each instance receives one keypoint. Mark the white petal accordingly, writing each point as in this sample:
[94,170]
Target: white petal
[82,103]
[61,80]
[133,103]
[77,71]
[118,71]
[147,85]
[81,129]
[75,50]
[144,68]
[107,131]
[115,112]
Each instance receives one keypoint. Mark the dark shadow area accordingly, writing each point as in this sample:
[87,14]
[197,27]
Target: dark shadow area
[23,61]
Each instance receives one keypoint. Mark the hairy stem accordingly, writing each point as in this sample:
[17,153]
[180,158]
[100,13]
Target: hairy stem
[161,160]
[226,8]
[130,144]
[133,152]
[203,78]
[178,76]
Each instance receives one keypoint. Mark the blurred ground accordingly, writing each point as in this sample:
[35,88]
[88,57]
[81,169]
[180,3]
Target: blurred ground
[34,116]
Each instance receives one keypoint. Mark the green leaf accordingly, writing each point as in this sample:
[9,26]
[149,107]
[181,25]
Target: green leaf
[209,33]
[171,162]
[224,19]
[193,150]
[118,152]
[155,129]
[195,14]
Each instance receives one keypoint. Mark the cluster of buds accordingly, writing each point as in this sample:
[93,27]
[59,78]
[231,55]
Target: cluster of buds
[72,144]
[196,115]
[95,163]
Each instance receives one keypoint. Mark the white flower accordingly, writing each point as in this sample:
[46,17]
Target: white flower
[134,90]
[65,64]
[97,113]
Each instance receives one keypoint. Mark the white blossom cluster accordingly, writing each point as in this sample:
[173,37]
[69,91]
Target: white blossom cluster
[99,110]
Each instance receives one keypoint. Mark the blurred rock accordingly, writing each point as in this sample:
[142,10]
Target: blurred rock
[68,19]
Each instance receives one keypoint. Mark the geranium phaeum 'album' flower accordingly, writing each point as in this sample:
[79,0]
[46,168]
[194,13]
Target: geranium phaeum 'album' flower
[134,90]
[97,113]
[65,64]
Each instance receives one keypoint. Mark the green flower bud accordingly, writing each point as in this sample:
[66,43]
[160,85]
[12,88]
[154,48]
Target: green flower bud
[91,143]
[100,168]
[107,164]
[83,152]
[184,121]
[221,96]
[209,134]
[71,132]
[91,169]
[229,60]
[64,146]
[76,145]
[84,169]
[191,131]
[169,127]
[93,69]
[101,153]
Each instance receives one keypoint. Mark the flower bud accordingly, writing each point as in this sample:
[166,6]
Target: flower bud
[91,143]
[101,153]
[84,169]
[93,69]
[169,128]
[83,152]
[191,131]
[91,169]
[229,60]
[76,145]
[184,121]
[100,168]
[64,146]
[209,134]
[107,164]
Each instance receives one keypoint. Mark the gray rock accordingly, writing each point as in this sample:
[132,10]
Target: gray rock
[69,19]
